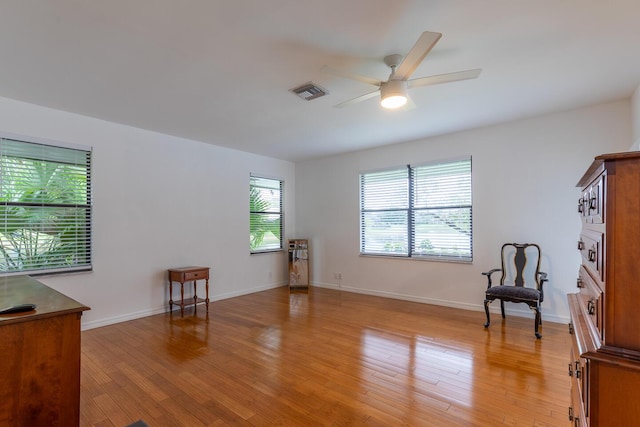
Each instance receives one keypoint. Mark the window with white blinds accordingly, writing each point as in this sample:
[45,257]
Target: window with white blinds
[265,214]
[418,211]
[45,208]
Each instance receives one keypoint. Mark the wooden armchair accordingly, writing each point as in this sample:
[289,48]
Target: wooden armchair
[521,280]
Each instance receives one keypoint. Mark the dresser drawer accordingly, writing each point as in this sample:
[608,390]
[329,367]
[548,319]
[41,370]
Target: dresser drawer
[578,366]
[577,414]
[578,371]
[594,208]
[591,249]
[592,300]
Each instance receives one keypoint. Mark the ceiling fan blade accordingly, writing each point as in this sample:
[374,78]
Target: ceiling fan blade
[423,46]
[352,76]
[358,99]
[444,78]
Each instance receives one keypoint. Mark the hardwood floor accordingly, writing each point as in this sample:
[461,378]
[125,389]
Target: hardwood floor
[324,358]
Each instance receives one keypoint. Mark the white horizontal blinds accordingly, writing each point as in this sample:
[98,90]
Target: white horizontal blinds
[266,211]
[384,212]
[423,211]
[45,208]
[442,207]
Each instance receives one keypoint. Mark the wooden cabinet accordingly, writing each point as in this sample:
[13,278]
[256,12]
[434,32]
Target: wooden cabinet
[40,356]
[604,364]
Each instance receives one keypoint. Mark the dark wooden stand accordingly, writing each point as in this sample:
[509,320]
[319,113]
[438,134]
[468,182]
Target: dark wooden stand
[40,352]
[187,274]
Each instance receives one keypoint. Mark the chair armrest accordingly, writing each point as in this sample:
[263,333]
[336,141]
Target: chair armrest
[488,274]
[543,278]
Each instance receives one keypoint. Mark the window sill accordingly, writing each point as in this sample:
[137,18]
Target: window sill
[420,258]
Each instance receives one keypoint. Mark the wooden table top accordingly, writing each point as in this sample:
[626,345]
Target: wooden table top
[188,269]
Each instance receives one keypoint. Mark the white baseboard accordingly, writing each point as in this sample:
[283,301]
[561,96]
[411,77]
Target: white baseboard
[165,309]
[445,303]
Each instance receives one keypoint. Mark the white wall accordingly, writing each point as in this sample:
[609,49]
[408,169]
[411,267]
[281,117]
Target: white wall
[524,176]
[160,202]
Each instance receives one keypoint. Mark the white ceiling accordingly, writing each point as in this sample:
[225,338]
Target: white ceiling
[219,71]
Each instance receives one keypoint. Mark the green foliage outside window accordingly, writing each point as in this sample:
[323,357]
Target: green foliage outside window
[45,210]
[265,207]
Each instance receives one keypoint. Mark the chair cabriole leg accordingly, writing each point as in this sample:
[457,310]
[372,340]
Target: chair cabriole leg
[486,310]
[538,322]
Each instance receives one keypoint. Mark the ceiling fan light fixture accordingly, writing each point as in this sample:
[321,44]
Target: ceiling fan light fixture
[393,94]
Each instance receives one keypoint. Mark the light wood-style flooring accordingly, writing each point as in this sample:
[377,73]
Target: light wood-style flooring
[324,358]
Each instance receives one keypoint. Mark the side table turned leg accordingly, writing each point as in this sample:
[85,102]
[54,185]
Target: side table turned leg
[207,295]
[170,296]
[195,295]
[182,299]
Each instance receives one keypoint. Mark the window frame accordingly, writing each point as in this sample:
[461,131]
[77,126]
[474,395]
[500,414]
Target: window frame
[404,210]
[279,212]
[41,154]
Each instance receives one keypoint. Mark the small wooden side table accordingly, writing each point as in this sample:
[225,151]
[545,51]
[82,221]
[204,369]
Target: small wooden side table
[187,274]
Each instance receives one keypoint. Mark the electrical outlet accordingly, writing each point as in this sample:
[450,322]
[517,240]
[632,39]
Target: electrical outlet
[339,276]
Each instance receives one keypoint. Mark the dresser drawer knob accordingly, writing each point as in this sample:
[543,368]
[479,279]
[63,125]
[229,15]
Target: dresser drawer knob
[570,369]
[591,255]
[579,283]
[593,203]
[591,307]
[580,245]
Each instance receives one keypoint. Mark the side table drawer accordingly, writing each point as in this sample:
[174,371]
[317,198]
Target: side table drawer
[186,274]
[196,275]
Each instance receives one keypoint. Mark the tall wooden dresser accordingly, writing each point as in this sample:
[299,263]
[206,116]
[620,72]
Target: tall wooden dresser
[604,363]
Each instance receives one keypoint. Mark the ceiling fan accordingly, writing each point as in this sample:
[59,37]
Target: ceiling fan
[393,92]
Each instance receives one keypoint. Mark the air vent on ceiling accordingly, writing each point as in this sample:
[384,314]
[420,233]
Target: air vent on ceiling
[309,91]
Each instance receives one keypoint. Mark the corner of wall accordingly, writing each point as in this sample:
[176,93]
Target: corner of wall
[635,119]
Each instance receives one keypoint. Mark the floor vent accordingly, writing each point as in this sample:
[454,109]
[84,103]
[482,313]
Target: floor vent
[309,91]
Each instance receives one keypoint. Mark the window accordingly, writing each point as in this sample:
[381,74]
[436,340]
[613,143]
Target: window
[45,208]
[265,222]
[418,212]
